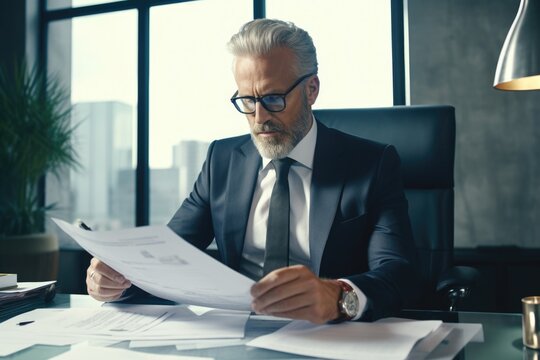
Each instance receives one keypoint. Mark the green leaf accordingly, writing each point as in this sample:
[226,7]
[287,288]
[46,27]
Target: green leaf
[35,133]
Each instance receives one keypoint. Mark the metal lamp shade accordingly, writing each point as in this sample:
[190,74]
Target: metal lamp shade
[519,63]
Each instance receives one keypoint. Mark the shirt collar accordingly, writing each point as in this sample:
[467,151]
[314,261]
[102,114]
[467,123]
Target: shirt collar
[304,151]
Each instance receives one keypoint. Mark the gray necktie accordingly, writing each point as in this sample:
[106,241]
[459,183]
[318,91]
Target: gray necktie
[277,233]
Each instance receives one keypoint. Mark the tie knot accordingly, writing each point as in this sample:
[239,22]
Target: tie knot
[282,166]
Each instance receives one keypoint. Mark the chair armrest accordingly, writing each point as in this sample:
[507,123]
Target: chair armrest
[458,276]
[456,284]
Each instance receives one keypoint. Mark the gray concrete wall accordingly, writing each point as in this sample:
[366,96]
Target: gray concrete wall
[454,48]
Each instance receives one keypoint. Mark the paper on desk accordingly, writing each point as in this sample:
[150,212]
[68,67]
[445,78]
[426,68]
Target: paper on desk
[185,323]
[86,352]
[208,344]
[199,310]
[445,342]
[158,261]
[268,318]
[22,290]
[70,326]
[24,287]
[198,344]
[12,346]
[460,336]
[425,345]
[13,333]
[349,340]
[107,322]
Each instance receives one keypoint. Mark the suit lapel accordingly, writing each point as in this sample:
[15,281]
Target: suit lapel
[243,169]
[326,187]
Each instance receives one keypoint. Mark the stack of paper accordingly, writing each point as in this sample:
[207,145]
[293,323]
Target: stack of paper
[8,281]
[143,323]
[386,339]
[25,297]
[349,340]
[86,352]
[193,327]
[22,290]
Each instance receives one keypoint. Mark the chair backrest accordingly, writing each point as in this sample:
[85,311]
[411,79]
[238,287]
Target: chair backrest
[424,137]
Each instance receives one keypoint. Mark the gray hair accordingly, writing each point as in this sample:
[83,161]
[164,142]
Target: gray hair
[258,37]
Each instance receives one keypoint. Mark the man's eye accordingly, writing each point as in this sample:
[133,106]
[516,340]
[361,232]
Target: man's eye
[272,100]
[247,101]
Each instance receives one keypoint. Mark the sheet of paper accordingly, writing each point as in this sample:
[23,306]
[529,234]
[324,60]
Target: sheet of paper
[188,344]
[185,323]
[117,322]
[349,340]
[158,261]
[124,322]
[425,345]
[70,326]
[8,347]
[209,344]
[86,352]
[268,318]
[199,310]
[12,332]
[460,336]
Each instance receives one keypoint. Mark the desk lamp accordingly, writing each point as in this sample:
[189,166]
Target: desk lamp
[519,62]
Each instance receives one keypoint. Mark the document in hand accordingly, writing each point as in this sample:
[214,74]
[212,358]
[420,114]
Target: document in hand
[157,260]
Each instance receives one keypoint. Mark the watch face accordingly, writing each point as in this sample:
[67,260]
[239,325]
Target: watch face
[350,304]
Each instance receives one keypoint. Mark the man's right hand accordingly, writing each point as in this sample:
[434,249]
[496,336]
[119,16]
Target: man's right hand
[103,283]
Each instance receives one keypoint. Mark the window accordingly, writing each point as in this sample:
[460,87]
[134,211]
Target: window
[354,48]
[190,86]
[95,50]
[102,58]
[61,4]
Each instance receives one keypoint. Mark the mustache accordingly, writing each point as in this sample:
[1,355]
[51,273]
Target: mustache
[267,126]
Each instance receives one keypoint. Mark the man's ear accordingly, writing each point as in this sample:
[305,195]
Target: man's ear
[312,90]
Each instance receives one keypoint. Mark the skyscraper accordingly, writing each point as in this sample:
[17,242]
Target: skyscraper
[103,139]
[188,157]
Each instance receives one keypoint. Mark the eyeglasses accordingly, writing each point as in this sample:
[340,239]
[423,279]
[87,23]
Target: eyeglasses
[271,102]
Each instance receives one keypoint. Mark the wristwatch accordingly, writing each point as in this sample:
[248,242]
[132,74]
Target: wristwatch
[348,304]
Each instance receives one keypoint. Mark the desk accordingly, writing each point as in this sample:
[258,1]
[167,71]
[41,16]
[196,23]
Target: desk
[502,333]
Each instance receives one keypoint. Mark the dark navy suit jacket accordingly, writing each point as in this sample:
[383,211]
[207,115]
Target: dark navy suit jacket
[359,224]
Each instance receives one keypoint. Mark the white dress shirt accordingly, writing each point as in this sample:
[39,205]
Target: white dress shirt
[299,190]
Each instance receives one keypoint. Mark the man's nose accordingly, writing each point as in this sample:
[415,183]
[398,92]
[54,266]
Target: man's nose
[261,114]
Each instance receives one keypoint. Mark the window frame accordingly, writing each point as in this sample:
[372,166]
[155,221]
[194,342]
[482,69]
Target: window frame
[142,171]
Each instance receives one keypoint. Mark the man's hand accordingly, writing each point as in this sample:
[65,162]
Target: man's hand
[296,293]
[103,283]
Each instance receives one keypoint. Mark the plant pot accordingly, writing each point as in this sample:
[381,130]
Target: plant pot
[32,257]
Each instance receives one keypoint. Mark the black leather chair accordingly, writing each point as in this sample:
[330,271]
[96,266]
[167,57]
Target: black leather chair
[424,137]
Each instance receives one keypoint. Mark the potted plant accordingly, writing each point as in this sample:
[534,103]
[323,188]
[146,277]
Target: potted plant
[35,138]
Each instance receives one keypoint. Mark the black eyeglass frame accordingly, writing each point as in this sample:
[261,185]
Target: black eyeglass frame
[260,99]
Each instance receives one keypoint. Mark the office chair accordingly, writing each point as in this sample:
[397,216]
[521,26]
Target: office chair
[424,137]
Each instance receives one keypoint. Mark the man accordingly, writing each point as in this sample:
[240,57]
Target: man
[335,213]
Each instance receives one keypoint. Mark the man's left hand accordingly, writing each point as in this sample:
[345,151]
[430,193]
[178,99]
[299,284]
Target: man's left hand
[296,293]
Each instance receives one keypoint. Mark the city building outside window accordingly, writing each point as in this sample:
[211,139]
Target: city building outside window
[190,83]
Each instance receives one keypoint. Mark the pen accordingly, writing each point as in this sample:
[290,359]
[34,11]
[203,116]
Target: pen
[22,323]
[82,225]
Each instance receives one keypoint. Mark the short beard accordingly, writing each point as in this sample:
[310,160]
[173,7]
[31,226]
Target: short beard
[281,146]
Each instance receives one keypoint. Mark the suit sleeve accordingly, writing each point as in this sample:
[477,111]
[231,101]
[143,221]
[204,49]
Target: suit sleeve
[393,279]
[193,220]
